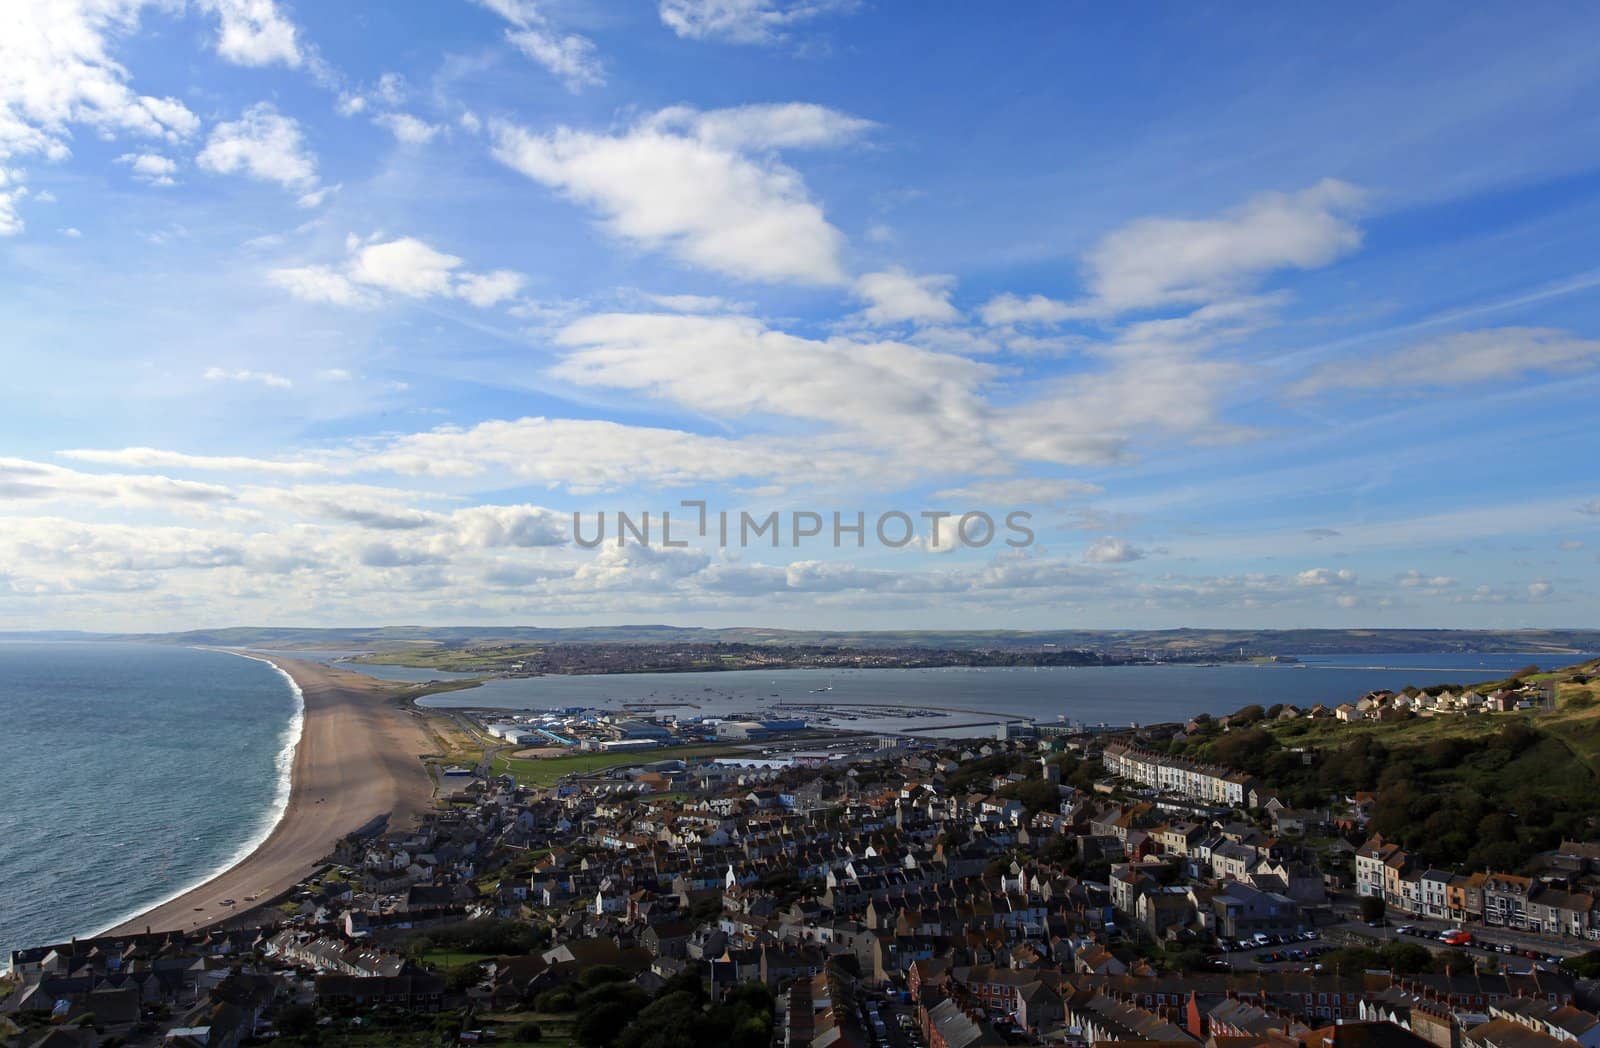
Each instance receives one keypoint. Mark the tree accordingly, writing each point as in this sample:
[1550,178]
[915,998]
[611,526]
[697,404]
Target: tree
[463,977]
[297,1020]
[529,1032]
[1406,958]
[599,974]
[1584,966]
[1372,908]
[604,1011]
[559,1000]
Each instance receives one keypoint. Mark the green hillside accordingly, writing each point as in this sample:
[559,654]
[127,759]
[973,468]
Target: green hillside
[1487,791]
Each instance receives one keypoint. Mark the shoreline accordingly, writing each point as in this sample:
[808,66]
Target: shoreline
[356,759]
[284,762]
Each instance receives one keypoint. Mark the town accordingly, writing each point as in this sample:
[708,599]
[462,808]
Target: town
[1052,886]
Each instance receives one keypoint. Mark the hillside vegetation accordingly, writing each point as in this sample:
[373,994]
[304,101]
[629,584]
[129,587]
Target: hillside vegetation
[1484,791]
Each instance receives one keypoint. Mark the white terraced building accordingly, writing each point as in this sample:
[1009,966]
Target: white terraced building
[1203,782]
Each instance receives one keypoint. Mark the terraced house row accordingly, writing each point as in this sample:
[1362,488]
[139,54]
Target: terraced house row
[1560,902]
[1192,779]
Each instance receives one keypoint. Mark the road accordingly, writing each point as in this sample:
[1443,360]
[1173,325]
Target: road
[1546,945]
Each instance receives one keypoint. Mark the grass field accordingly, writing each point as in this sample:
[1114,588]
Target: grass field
[434,657]
[545,772]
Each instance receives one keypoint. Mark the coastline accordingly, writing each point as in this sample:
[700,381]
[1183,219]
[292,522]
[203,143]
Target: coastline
[280,800]
[356,759]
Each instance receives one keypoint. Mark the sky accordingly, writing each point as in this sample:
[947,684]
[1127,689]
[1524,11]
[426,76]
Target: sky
[1090,316]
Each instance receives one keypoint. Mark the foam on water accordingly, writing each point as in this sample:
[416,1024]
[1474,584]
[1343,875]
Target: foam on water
[269,819]
[135,773]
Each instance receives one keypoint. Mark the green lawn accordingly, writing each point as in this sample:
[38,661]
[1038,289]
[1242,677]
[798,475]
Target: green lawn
[545,772]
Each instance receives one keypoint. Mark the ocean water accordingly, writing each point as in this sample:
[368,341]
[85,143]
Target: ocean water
[961,700]
[134,773]
[137,771]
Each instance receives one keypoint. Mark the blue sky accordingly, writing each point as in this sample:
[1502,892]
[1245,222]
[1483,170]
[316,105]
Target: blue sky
[337,313]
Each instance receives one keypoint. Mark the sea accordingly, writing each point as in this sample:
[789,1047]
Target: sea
[138,771]
[973,701]
[135,772]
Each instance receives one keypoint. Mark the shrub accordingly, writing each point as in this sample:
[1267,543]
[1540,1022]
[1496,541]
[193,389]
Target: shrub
[560,1000]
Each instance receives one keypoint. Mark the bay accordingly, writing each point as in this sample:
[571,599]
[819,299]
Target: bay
[135,771]
[946,701]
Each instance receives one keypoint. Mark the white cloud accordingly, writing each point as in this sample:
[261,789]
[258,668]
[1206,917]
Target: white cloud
[262,378]
[955,340]
[636,567]
[1035,309]
[1539,590]
[262,144]
[23,480]
[488,289]
[404,266]
[1093,418]
[408,129]
[570,58]
[322,284]
[734,366]
[1590,508]
[1326,577]
[151,168]
[11,193]
[491,527]
[595,455]
[1112,550]
[783,125]
[155,458]
[254,33]
[56,71]
[1415,579]
[1163,261]
[743,21]
[1157,382]
[315,197]
[1462,358]
[898,297]
[1021,491]
[71,232]
[675,182]
[392,89]
[697,303]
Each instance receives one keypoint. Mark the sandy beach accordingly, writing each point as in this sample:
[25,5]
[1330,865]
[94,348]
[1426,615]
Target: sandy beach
[357,759]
